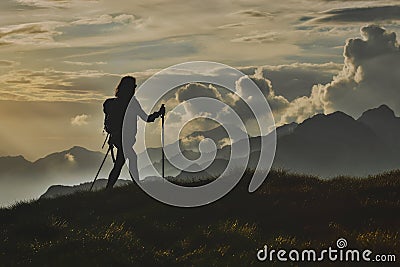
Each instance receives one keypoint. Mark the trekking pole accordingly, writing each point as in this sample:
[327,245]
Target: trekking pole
[101,166]
[105,140]
[162,142]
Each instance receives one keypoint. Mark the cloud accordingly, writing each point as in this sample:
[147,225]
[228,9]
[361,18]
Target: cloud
[191,142]
[80,120]
[240,106]
[299,109]
[370,77]
[55,85]
[263,84]
[284,110]
[7,63]
[253,13]
[174,117]
[45,3]
[42,33]
[193,90]
[106,19]
[69,157]
[79,63]
[291,102]
[375,42]
[267,37]
[296,80]
[22,29]
[232,25]
[163,35]
[360,14]
[224,142]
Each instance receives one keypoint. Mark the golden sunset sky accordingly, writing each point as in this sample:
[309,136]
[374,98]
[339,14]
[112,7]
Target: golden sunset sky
[60,59]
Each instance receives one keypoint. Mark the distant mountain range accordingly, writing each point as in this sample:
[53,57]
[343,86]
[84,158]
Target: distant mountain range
[337,144]
[71,163]
[21,179]
[325,145]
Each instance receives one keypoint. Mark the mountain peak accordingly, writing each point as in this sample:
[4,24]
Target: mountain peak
[384,123]
[339,114]
[385,108]
[335,116]
[19,158]
[381,112]
[77,149]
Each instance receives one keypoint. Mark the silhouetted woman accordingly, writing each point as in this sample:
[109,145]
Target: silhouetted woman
[115,109]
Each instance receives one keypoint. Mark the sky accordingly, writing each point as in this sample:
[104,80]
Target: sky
[60,59]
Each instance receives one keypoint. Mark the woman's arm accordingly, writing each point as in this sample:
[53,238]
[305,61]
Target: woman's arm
[142,114]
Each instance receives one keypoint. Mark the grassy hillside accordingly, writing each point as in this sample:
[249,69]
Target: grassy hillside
[127,227]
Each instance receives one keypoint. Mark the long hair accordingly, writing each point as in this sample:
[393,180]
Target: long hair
[126,87]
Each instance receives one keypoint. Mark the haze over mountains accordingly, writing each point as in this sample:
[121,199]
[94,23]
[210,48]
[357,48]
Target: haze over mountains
[324,145]
[337,144]
[21,179]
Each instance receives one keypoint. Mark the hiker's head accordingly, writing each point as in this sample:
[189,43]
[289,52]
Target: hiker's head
[126,87]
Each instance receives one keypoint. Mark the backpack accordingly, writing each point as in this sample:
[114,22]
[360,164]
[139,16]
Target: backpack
[110,110]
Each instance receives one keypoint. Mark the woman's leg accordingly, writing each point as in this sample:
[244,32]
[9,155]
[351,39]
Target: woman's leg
[133,167]
[115,172]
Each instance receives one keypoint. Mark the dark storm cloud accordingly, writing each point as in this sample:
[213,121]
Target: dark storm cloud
[377,42]
[360,14]
[306,18]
